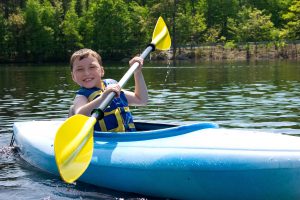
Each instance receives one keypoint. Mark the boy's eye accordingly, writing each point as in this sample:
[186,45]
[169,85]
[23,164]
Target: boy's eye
[79,69]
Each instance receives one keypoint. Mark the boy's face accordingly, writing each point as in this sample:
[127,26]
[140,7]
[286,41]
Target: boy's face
[87,72]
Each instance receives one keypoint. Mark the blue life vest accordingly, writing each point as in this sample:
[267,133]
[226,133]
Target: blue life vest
[117,116]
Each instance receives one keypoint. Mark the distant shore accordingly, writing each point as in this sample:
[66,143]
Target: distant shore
[230,51]
[214,52]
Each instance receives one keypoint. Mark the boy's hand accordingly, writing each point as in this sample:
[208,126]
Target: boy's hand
[139,60]
[113,88]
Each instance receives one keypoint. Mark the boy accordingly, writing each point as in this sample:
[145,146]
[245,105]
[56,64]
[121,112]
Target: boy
[87,71]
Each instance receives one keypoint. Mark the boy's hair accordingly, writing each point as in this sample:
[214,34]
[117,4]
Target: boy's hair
[83,53]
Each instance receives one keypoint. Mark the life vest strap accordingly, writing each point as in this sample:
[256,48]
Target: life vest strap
[117,114]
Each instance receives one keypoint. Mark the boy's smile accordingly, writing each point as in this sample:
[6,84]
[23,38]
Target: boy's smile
[87,72]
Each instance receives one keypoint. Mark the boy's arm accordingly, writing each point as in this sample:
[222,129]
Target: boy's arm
[84,107]
[140,95]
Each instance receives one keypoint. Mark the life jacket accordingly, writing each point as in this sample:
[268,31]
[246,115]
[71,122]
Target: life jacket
[117,116]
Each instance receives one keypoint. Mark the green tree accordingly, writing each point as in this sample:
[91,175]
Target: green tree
[65,5]
[168,10]
[185,19]
[55,24]
[70,30]
[38,30]
[50,15]
[9,7]
[139,33]
[3,36]
[251,25]
[217,13]
[15,37]
[189,28]
[292,27]
[275,8]
[79,7]
[107,27]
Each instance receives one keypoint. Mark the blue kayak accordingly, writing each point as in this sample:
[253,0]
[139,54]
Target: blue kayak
[194,161]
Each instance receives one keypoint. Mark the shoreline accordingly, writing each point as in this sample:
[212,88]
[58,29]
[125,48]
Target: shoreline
[212,52]
[234,52]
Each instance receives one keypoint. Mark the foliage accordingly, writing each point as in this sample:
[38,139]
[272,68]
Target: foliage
[230,45]
[50,30]
[110,20]
[251,25]
[292,27]
[39,30]
[15,36]
[70,30]
[3,34]
[272,7]
[139,27]
[189,28]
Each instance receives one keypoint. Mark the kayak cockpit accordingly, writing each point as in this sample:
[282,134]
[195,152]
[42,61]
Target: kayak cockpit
[147,130]
[146,126]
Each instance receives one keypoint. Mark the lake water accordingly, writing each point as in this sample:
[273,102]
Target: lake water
[238,95]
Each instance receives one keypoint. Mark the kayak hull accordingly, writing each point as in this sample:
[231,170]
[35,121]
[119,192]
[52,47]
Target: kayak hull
[197,161]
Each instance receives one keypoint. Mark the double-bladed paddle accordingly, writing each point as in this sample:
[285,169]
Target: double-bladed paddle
[74,143]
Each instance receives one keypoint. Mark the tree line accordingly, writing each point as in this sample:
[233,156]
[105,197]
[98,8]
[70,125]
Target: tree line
[50,30]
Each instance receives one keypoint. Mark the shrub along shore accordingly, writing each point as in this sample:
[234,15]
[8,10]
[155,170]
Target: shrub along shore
[231,51]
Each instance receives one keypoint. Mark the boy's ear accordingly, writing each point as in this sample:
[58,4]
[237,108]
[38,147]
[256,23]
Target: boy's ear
[102,71]
[73,78]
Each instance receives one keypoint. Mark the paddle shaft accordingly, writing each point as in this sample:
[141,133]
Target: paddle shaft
[105,103]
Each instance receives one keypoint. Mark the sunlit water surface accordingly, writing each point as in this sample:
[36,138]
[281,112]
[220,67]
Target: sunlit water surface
[239,95]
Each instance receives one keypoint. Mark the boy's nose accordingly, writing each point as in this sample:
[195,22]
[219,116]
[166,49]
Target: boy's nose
[86,72]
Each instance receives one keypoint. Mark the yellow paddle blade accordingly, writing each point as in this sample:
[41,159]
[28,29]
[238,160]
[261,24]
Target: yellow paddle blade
[73,146]
[161,37]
